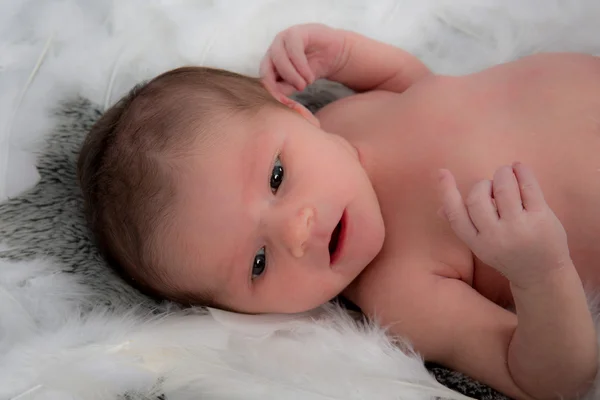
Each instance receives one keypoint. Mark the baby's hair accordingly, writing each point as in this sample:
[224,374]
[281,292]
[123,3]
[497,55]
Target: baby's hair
[127,169]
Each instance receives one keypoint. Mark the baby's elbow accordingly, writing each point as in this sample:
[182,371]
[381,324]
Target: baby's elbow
[583,385]
[579,378]
[566,385]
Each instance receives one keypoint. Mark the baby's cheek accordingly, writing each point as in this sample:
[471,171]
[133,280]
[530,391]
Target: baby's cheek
[315,291]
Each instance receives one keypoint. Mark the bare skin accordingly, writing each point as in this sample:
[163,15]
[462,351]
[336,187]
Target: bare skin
[472,125]
[428,283]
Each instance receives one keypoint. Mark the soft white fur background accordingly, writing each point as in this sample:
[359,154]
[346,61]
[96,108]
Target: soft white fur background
[51,50]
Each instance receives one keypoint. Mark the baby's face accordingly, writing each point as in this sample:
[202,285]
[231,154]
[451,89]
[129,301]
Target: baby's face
[275,215]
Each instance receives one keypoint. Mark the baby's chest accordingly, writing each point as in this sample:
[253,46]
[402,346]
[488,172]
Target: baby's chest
[417,237]
[420,241]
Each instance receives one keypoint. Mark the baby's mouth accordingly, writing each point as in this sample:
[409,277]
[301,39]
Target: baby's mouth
[335,243]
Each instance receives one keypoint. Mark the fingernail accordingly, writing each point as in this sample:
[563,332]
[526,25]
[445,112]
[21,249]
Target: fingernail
[441,174]
[440,213]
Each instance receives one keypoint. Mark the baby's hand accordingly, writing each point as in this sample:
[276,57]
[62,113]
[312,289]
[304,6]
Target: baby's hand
[300,55]
[508,225]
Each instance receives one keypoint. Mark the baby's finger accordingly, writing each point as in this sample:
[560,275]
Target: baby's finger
[481,207]
[267,73]
[294,46]
[265,70]
[285,88]
[284,66]
[531,192]
[454,208]
[506,193]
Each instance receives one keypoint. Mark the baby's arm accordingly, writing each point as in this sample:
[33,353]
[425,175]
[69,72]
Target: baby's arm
[444,319]
[553,349]
[304,53]
[366,64]
[448,322]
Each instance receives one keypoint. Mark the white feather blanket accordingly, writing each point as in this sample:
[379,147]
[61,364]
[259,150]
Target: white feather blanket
[54,49]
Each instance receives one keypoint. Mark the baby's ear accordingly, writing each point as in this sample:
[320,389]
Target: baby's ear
[300,109]
[294,105]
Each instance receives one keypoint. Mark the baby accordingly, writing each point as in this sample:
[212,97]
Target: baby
[210,188]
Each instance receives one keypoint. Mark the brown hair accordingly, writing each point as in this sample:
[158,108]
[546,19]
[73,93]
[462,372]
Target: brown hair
[126,169]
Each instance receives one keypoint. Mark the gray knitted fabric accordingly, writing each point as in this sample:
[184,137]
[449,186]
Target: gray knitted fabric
[47,221]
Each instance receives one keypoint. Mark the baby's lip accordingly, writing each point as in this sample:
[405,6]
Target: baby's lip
[337,239]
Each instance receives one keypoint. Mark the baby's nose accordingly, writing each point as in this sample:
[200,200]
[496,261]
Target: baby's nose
[299,231]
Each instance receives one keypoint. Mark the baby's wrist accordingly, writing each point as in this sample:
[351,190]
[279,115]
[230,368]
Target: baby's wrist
[544,279]
[555,332]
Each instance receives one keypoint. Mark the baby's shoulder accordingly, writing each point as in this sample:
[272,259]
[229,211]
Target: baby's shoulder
[418,241]
[407,277]
[346,112]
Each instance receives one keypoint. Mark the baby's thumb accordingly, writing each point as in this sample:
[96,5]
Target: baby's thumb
[453,207]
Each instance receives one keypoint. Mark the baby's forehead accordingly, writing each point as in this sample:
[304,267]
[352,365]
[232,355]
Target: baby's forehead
[217,177]
[221,132]
[209,211]
[234,139]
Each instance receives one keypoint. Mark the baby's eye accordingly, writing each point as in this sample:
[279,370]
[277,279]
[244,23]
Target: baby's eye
[259,264]
[276,175]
